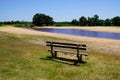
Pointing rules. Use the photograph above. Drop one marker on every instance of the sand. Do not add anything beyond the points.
(100, 45)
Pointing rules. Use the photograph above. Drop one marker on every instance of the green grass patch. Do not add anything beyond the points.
(22, 60)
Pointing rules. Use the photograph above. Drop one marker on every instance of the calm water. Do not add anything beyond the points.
(82, 33)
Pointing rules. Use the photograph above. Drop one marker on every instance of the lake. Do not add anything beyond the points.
(95, 34)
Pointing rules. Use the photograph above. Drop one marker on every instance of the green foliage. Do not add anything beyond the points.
(90, 21)
(108, 22)
(0, 23)
(48, 20)
(95, 21)
(63, 24)
(26, 25)
(116, 21)
(18, 25)
(45, 20)
(83, 21)
(42, 19)
(100, 22)
(75, 22)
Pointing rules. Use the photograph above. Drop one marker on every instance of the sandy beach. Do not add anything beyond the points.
(108, 46)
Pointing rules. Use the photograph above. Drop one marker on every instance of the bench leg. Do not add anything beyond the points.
(80, 58)
(55, 54)
(52, 54)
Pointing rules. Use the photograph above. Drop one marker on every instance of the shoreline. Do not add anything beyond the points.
(108, 46)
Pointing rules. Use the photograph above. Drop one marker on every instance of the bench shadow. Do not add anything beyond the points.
(64, 60)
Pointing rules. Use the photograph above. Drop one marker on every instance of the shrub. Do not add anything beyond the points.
(24, 25)
(18, 25)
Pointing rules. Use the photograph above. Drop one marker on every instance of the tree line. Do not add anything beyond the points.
(18, 23)
(96, 21)
(42, 19)
(45, 20)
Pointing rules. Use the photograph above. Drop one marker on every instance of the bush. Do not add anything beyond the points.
(58, 25)
(1, 23)
(24, 25)
(18, 25)
(29, 25)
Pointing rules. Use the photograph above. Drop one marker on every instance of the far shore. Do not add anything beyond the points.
(108, 46)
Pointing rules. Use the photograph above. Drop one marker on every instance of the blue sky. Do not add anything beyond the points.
(60, 10)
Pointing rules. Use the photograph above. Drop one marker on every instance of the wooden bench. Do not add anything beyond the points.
(77, 49)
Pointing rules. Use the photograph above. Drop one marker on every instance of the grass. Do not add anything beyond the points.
(22, 59)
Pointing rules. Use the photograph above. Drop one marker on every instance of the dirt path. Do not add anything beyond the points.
(107, 46)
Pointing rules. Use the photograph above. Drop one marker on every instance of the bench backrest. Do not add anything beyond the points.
(66, 45)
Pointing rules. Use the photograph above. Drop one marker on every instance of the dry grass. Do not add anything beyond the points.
(22, 59)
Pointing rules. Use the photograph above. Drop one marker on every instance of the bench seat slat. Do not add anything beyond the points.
(72, 47)
(64, 51)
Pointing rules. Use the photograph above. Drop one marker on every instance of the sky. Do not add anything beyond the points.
(59, 10)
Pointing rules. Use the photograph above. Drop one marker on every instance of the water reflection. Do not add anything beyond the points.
(82, 33)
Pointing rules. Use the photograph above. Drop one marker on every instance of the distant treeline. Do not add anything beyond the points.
(96, 21)
(45, 20)
(18, 23)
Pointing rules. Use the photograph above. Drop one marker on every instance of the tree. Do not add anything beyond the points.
(36, 20)
(90, 21)
(83, 21)
(100, 22)
(96, 19)
(107, 22)
(48, 20)
(42, 19)
(116, 21)
(75, 22)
